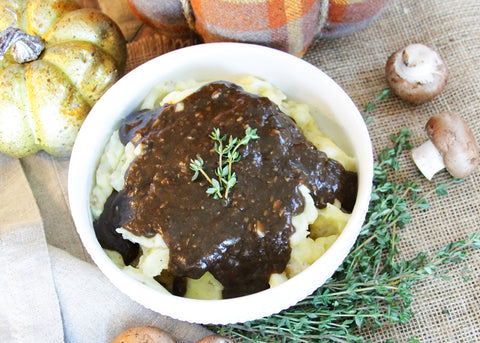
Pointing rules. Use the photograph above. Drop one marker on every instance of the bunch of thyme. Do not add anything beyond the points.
(373, 285)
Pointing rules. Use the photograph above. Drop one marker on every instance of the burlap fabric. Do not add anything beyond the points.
(35, 221)
(446, 311)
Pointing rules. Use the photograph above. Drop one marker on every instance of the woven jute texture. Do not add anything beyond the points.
(446, 311)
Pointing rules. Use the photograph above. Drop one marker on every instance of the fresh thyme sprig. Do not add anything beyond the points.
(373, 285)
(227, 150)
(369, 107)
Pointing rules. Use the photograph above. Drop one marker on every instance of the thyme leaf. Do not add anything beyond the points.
(227, 155)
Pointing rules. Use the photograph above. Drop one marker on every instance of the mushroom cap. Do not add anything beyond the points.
(215, 339)
(416, 73)
(455, 140)
(144, 334)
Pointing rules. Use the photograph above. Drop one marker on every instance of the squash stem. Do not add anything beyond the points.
(23, 46)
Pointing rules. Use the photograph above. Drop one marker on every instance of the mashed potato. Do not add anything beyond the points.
(315, 229)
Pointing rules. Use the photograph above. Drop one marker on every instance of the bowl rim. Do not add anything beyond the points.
(119, 99)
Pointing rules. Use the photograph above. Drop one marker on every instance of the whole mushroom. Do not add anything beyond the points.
(451, 145)
(144, 334)
(215, 339)
(151, 334)
(416, 73)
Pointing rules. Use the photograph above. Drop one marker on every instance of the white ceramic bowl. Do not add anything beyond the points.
(302, 82)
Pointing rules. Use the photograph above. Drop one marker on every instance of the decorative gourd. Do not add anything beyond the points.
(57, 59)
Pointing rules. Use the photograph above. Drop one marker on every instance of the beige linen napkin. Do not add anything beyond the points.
(29, 308)
(51, 293)
(93, 310)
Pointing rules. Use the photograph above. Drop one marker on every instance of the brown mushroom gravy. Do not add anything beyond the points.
(241, 240)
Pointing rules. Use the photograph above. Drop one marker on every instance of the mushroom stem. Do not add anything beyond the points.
(417, 64)
(428, 159)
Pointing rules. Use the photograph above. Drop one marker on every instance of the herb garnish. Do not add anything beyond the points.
(373, 285)
(227, 155)
(372, 104)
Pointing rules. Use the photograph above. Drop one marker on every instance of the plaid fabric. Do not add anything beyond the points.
(353, 11)
(288, 25)
(348, 16)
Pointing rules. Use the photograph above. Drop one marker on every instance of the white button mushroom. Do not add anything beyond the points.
(451, 145)
(416, 73)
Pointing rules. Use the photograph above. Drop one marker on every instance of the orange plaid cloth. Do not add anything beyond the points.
(288, 25)
(348, 16)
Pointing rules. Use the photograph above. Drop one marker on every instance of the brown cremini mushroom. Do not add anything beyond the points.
(144, 334)
(451, 145)
(416, 73)
(215, 339)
